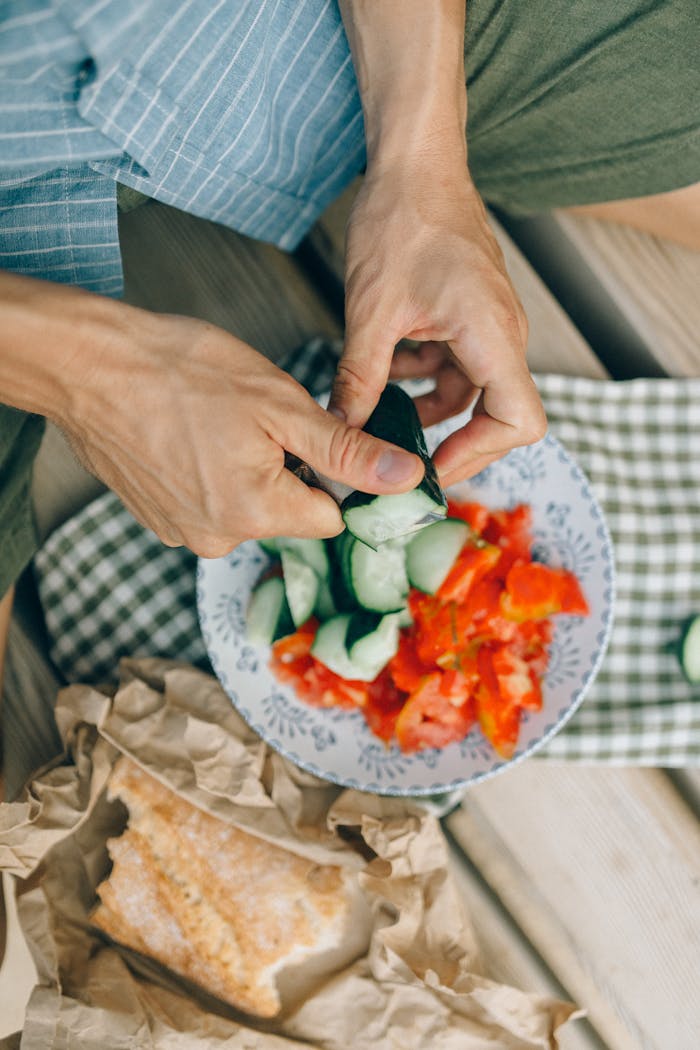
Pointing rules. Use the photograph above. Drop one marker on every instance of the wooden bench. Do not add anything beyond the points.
(581, 881)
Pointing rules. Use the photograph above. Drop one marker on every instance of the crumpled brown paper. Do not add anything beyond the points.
(418, 986)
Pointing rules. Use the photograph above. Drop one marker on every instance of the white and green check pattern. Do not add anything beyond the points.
(110, 589)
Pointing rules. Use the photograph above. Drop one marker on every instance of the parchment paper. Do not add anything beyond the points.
(419, 984)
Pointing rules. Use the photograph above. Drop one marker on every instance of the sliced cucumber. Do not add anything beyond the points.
(431, 554)
(372, 639)
(300, 585)
(325, 606)
(689, 650)
(340, 548)
(268, 616)
(376, 579)
(313, 552)
(270, 545)
(329, 649)
(376, 519)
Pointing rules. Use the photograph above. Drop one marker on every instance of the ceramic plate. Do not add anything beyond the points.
(569, 531)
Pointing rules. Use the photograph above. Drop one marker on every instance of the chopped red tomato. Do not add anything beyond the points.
(384, 703)
(534, 591)
(517, 683)
(406, 668)
(571, 596)
(499, 718)
(511, 530)
(297, 644)
(472, 564)
(476, 515)
(431, 719)
(477, 650)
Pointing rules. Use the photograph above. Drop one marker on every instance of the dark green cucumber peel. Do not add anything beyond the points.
(395, 419)
(340, 548)
(687, 649)
(361, 623)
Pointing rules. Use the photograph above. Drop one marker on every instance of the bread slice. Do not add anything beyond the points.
(251, 923)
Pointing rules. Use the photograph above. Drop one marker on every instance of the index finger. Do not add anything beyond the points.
(509, 413)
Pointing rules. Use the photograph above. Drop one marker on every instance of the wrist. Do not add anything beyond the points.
(409, 63)
(53, 344)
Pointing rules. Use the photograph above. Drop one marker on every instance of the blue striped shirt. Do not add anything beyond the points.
(244, 113)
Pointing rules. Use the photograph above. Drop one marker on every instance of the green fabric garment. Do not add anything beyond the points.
(20, 436)
(574, 103)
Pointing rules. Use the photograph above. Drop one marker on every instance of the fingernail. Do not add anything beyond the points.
(337, 412)
(395, 466)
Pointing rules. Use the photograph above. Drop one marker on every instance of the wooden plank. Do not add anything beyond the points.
(176, 263)
(653, 282)
(30, 737)
(60, 485)
(506, 954)
(632, 295)
(600, 869)
(687, 784)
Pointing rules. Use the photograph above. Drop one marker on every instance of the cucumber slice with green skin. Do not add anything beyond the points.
(689, 650)
(300, 585)
(339, 549)
(376, 579)
(268, 617)
(376, 519)
(270, 545)
(431, 554)
(325, 606)
(313, 552)
(329, 649)
(372, 639)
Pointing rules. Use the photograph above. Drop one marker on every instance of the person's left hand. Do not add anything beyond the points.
(422, 264)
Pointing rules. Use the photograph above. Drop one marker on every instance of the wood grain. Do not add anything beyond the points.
(176, 263)
(600, 868)
(506, 953)
(653, 282)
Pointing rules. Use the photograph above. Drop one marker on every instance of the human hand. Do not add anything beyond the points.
(190, 426)
(422, 264)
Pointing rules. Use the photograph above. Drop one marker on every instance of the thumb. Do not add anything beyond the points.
(346, 454)
(362, 372)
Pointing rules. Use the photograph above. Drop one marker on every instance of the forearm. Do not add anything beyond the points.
(409, 62)
(53, 339)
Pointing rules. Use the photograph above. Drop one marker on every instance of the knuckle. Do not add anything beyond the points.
(510, 319)
(349, 378)
(346, 450)
(211, 546)
(535, 429)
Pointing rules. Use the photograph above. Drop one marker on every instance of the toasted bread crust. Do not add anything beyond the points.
(216, 905)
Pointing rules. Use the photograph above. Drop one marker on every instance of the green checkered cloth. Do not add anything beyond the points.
(109, 588)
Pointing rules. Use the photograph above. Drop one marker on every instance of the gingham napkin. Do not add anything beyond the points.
(110, 589)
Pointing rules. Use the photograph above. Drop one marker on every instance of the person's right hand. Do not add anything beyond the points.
(189, 426)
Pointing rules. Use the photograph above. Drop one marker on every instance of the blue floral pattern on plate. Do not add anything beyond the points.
(569, 530)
